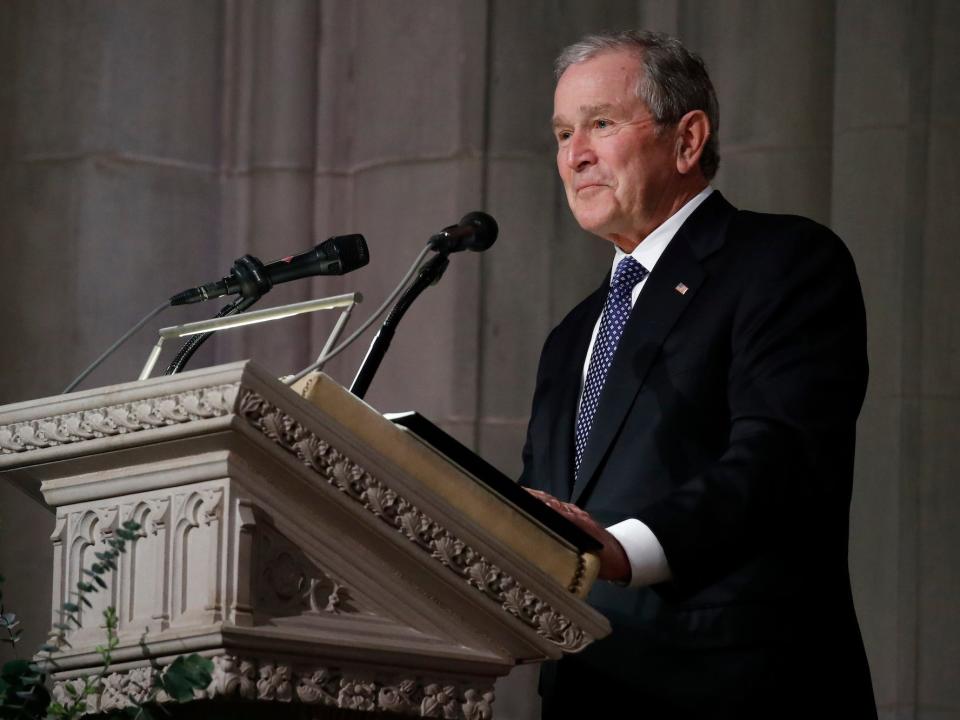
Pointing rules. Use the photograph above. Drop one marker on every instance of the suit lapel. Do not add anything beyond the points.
(671, 287)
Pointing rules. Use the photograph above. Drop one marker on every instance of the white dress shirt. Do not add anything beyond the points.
(648, 563)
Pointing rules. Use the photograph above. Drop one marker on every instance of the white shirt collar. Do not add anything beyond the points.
(648, 252)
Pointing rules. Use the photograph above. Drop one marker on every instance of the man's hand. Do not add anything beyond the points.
(614, 565)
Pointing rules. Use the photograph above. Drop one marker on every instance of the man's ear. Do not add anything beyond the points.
(693, 130)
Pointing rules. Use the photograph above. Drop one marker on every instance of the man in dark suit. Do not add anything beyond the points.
(697, 414)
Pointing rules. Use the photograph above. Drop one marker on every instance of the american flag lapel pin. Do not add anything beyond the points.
(681, 288)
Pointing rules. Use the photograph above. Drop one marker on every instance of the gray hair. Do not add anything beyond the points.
(674, 80)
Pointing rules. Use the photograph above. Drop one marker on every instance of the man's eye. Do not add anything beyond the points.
(563, 135)
(602, 124)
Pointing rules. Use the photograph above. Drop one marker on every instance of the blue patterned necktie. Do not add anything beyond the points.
(615, 313)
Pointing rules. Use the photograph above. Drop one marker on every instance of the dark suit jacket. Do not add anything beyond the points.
(726, 424)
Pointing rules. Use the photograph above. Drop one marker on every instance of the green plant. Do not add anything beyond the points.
(23, 691)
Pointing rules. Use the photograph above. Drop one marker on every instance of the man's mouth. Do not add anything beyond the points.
(588, 186)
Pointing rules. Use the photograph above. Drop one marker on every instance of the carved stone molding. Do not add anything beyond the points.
(119, 419)
(264, 679)
(375, 497)
(289, 582)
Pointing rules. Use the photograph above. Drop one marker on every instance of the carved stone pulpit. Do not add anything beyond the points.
(320, 556)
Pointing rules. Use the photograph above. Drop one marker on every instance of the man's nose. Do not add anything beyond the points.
(580, 152)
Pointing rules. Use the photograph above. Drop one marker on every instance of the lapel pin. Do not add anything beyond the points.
(681, 288)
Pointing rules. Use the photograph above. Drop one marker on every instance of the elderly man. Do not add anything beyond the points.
(697, 414)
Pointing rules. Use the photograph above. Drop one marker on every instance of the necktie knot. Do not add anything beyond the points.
(628, 273)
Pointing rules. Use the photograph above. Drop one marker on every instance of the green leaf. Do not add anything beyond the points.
(85, 587)
(86, 602)
(131, 525)
(62, 626)
(48, 648)
(15, 668)
(126, 535)
(98, 568)
(186, 674)
(100, 581)
(71, 607)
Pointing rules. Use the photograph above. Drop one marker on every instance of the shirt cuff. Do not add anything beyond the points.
(648, 563)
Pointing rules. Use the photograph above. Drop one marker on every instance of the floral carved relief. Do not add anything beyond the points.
(256, 679)
(356, 483)
(119, 419)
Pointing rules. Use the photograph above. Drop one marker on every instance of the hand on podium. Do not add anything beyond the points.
(614, 564)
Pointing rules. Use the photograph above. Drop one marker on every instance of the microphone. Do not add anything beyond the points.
(476, 231)
(336, 256)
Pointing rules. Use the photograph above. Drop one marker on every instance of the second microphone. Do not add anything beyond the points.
(336, 256)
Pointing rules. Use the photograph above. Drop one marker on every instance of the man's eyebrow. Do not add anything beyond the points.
(585, 110)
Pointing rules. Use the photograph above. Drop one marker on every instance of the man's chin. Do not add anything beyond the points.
(593, 223)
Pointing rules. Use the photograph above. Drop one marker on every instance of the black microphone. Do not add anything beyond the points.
(336, 256)
(476, 231)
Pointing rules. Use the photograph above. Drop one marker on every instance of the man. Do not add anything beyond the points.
(696, 414)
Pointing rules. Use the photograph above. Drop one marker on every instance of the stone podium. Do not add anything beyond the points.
(317, 554)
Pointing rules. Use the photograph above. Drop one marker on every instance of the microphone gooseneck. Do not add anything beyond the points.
(476, 231)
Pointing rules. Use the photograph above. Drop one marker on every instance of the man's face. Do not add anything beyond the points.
(616, 170)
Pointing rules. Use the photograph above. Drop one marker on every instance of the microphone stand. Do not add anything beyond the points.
(254, 283)
(429, 274)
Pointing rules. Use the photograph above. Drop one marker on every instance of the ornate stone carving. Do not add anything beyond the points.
(233, 677)
(477, 706)
(357, 484)
(439, 701)
(274, 683)
(157, 515)
(290, 582)
(119, 419)
(267, 680)
(209, 509)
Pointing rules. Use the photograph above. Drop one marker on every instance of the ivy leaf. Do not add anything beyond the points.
(131, 525)
(186, 674)
(15, 669)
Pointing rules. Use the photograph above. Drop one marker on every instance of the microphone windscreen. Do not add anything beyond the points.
(485, 230)
(352, 251)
